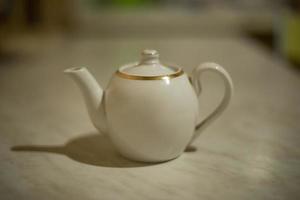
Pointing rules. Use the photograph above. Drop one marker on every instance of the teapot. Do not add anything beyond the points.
(150, 111)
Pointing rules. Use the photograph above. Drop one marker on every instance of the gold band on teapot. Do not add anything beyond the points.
(160, 77)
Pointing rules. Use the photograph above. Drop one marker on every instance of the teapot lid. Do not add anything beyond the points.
(149, 67)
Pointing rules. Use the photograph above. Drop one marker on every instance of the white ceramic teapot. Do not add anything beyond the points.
(149, 111)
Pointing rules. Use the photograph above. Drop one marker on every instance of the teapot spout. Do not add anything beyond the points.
(93, 95)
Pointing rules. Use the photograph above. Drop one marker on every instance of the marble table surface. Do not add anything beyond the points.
(50, 150)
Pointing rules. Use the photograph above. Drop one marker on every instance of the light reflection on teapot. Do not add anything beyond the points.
(150, 111)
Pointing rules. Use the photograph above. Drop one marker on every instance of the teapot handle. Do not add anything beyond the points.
(195, 79)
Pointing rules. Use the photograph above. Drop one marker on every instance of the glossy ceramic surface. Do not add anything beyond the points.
(150, 111)
(151, 120)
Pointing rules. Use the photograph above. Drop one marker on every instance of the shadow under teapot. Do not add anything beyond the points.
(93, 149)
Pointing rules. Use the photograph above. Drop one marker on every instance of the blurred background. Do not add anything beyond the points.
(251, 152)
(274, 23)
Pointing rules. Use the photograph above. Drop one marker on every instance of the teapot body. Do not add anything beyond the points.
(151, 120)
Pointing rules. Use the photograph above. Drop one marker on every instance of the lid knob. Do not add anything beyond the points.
(150, 56)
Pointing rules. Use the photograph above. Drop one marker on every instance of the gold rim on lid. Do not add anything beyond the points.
(179, 72)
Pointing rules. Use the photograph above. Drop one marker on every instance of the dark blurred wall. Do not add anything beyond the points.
(25, 15)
